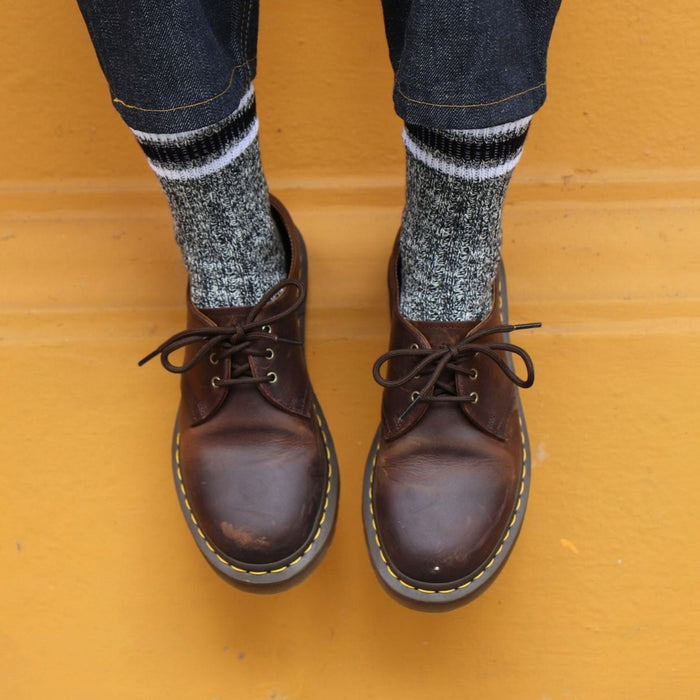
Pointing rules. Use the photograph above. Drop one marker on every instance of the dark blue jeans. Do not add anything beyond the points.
(175, 65)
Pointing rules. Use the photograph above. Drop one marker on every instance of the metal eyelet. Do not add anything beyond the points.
(273, 376)
(473, 374)
(414, 346)
(215, 382)
(269, 353)
(213, 359)
(415, 395)
(266, 329)
(474, 397)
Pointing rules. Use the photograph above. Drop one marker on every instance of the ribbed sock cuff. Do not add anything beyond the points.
(192, 154)
(469, 154)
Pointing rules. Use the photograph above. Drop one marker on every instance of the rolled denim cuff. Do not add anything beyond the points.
(468, 64)
(189, 116)
(469, 116)
(174, 65)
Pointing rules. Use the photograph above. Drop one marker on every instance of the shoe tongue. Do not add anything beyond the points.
(445, 332)
(228, 316)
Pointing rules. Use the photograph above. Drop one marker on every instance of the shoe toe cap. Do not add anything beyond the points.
(257, 504)
(440, 523)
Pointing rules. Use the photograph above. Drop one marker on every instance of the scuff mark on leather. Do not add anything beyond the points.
(242, 537)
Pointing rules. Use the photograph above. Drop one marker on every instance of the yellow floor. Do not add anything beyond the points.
(104, 594)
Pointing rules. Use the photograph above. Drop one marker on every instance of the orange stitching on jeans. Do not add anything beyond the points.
(194, 104)
(483, 104)
(245, 33)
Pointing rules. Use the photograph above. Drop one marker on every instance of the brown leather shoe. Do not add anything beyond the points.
(448, 475)
(253, 459)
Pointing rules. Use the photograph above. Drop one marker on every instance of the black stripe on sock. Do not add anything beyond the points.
(210, 144)
(481, 150)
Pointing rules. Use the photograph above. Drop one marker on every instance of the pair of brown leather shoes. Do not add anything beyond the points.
(255, 468)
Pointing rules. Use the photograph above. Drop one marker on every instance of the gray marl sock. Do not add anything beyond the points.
(220, 205)
(451, 229)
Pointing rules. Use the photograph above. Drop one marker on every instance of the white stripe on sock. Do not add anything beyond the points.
(170, 138)
(212, 166)
(464, 172)
(499, 130)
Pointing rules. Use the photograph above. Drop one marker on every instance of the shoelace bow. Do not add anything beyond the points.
(220, 342)
(447, 357)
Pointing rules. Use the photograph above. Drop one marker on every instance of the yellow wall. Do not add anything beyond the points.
(102, 592)
(623, 93)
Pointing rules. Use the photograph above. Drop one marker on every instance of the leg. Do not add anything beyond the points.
(469, 75)
(180, 75)
(253, 460)
(447, 479)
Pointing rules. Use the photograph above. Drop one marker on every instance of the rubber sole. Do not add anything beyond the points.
(456, 594)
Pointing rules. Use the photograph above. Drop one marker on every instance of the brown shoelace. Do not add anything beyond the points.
(220, 342)
(435, 361)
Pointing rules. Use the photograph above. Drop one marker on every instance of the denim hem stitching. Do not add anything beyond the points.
(121, 102)
(467, 106)
(245, 34)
